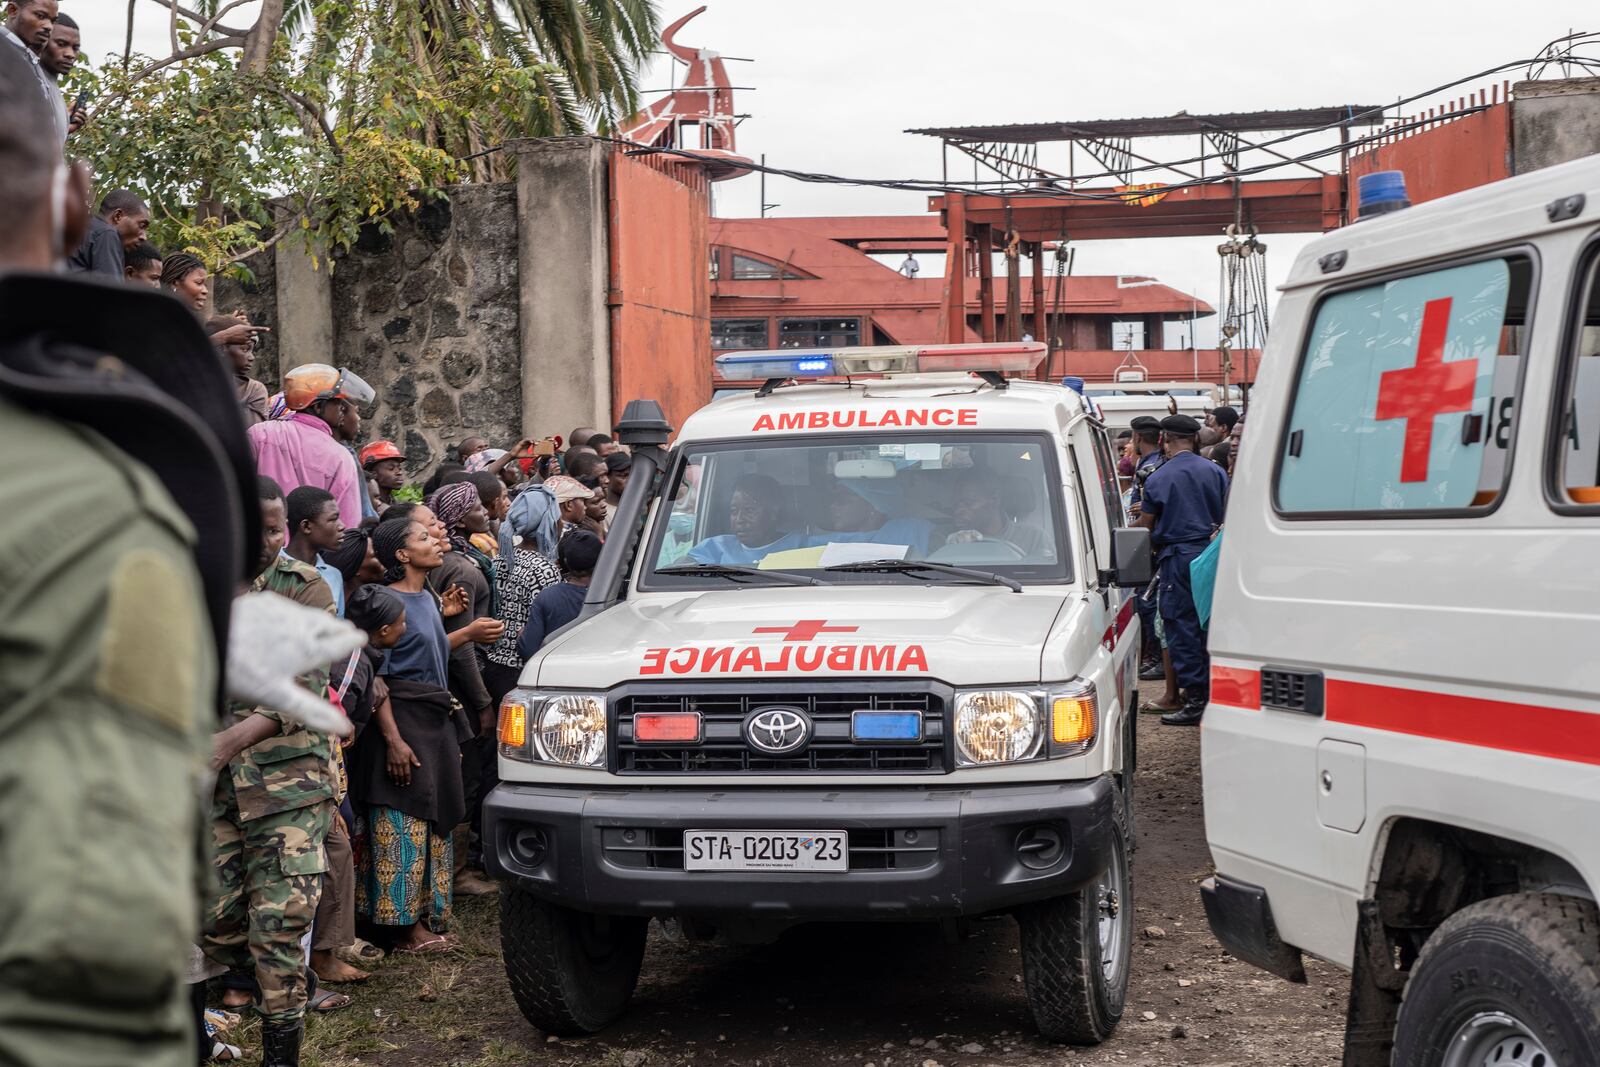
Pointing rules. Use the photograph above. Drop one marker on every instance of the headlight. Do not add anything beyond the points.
(996, 726)
(564, 728)
(1007, 725)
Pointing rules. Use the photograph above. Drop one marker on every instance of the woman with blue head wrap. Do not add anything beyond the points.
(869, 509)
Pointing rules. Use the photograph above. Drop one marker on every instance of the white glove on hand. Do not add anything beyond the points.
(271, 641)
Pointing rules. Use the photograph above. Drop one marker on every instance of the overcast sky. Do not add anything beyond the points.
(837, 81)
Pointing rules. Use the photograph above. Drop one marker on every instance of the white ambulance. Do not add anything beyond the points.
(858, 650)
(1402, 750)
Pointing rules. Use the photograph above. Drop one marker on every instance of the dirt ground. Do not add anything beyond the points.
(874, 997)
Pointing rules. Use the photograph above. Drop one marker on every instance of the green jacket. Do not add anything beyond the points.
(107, 681)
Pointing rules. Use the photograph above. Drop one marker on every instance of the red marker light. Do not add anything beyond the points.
(663, 727)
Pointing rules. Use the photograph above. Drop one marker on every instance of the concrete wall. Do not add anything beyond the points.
(561, 237)
(1555, 121)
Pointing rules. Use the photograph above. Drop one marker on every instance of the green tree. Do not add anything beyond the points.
(325, 115)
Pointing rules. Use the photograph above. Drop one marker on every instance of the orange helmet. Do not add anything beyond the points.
(378, 450)
(311, 382)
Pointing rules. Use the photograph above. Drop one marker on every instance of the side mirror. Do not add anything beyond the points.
(1132, 558)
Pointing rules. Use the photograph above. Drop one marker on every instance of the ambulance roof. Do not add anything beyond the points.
(936, 402)
(1484, 217)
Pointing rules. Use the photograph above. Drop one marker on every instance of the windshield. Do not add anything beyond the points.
(988, 502)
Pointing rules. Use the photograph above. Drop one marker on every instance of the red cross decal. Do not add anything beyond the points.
(1422, 392)
(805, 630)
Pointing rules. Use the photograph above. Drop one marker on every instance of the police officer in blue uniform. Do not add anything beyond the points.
(1182, 504)
(1147, 442)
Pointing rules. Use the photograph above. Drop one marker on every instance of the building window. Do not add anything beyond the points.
(1407, 394)
(751, 269)
(738, 333)
(818, 333)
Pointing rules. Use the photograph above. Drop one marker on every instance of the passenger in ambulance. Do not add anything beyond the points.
(755, 515)
(869, 509)
(980, 515)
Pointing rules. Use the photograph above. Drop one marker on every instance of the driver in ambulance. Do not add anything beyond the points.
(980, 517)
(755, 515)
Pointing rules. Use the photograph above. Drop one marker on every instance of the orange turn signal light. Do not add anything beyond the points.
(513, 722)
(1072, 720)
(657, 727)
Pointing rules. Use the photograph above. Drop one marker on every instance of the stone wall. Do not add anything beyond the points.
(428, 316)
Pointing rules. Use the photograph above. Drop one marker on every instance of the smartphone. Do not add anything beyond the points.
(83, 98)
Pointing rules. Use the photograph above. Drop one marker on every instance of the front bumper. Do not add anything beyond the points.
(915, 853)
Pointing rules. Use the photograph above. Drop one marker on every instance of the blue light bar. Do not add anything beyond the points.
(885, 726)
(759, 366)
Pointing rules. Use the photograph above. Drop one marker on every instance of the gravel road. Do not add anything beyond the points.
(880, 997)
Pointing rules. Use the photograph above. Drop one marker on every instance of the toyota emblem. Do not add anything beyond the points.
(777, 731)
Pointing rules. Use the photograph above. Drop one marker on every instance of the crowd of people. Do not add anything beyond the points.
(454, 589)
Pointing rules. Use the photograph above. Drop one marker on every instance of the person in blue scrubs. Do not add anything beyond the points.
(756, 516)
(866, 509)
(1182, 505)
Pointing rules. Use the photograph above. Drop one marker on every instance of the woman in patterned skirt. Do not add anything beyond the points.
(406, 766)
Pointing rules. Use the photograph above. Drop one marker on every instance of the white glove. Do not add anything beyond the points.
(271, 641)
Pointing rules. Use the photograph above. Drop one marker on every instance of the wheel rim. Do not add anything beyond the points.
(1495, 1039)
(1112, 915)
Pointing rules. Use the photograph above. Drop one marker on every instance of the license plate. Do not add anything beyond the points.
(765, 850)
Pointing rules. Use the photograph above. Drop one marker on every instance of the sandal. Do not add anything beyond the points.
(1155, 707)
(363, 950)
(324, 1001)
(438, 943)
(222, 1052)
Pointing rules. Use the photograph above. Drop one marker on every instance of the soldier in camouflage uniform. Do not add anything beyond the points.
(270, 814)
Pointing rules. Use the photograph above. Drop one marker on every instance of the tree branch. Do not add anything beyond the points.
(312, 112)
(193, 16)
(214, 45)
(211, 23)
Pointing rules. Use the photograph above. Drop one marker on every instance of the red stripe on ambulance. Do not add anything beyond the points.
(1531, 729)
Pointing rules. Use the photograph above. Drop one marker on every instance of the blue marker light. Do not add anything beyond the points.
(756, 366)
(1380, 192)
(885, 726)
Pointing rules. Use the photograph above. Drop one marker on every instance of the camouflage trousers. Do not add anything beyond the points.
(268, 882)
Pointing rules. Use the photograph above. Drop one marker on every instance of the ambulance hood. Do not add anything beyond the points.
(959, 634)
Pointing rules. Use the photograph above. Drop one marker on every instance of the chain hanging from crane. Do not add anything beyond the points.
(1242, 283)
(1064, 256)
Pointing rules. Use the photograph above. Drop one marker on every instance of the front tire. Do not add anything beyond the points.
(1513, 981)
(571, 973)
(1076, 951)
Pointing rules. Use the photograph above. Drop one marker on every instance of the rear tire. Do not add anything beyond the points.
(571, 973)
(1513, 981)
(1076, 951)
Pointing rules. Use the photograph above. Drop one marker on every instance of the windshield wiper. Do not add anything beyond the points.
(907, 566)
(734, 572)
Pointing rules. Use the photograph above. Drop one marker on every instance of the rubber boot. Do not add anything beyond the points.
(1193, 710)
(280, 1043)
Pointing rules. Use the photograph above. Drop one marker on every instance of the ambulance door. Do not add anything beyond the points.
(1102, 501)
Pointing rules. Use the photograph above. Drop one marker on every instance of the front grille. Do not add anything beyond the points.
(725, 751)
(656, 849)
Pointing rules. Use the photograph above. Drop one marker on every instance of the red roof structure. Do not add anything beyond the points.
(814, 282)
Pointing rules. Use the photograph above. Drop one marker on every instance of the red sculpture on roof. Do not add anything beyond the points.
(697, 117)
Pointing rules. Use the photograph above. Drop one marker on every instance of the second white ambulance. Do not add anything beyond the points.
(1402, 751)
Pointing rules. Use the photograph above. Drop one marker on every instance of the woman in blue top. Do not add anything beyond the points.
(407, 772)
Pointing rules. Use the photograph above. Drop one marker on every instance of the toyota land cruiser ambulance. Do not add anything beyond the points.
(1402, 750)
(859, 649)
